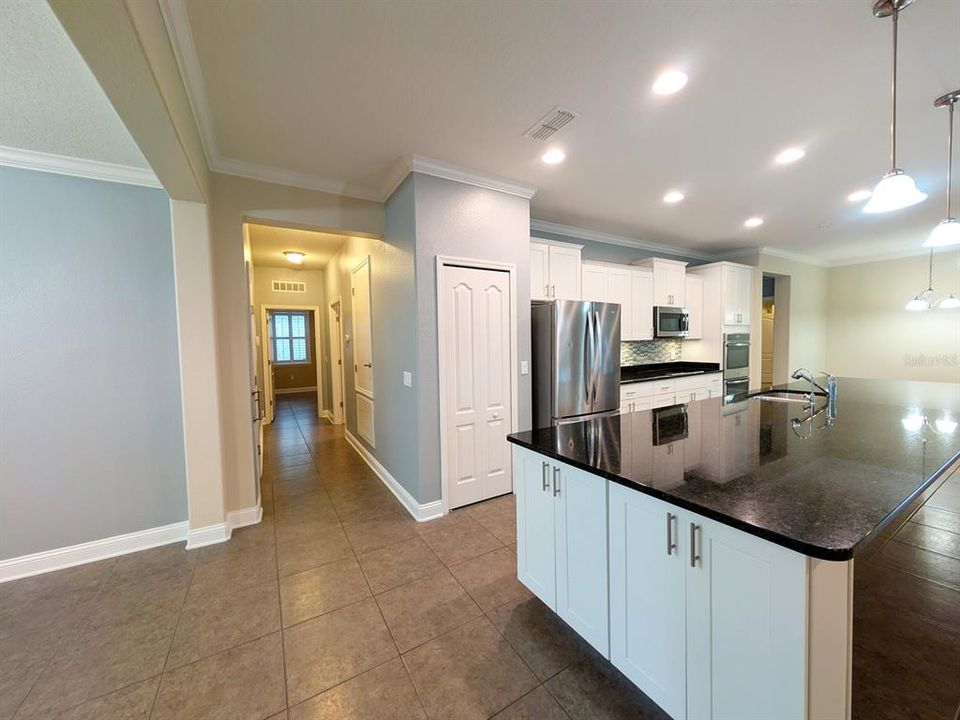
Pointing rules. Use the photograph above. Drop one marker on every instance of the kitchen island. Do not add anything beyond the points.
(707, 549)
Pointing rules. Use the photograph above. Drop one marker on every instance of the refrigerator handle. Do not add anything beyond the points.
(597, 356)
(587, 341)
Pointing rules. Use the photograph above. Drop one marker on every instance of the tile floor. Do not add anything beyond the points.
(338, 605)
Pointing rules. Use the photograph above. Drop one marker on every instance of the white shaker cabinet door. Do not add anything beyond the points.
(641, 286)
(593, 284)
(746, 619)
(539, 271)
(536, 545)
(581, 525)
(694, 305)
(647, 613)
(564, 272)
(619, 291)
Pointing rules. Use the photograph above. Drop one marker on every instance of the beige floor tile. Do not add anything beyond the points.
(463, 541)
(244, 683)
(540, 637)
(469, 673)
(326, 546)
(384, 692)
(395, 565)
(253, 566)
(378, 533)
(536, 705)
(426, 608)
(329, 649)
(491, 579)
(214, 621)
(22, 659)
(133, 702)
(320, 590)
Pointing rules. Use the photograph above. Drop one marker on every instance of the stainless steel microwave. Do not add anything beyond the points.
(670, 322)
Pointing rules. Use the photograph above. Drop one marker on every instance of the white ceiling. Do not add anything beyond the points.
(50, 100)
(267, 244)
(336, 91)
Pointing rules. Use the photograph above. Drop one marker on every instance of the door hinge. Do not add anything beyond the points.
(353, 291)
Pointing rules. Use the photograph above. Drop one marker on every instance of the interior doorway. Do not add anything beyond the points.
(336, 360)
(291, 358)
(774, 330)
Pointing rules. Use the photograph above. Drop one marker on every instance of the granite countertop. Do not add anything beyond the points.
(823, 491)
(659, 371)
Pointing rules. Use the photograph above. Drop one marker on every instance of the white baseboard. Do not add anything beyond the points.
(65, 557)
(328, 415)
(208, 535)
(246, 516)
(294, 391)
(420, 513)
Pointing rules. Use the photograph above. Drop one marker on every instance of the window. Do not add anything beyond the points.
(290, 338)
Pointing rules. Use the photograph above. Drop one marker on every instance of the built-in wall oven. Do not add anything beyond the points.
(736, 363)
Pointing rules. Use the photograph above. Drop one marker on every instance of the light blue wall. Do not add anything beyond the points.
(91, 434)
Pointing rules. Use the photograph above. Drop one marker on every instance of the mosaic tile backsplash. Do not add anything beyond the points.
(642, 352)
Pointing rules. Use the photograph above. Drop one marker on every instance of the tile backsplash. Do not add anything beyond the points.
(643, 352)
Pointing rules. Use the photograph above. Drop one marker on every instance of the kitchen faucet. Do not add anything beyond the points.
(830, 391)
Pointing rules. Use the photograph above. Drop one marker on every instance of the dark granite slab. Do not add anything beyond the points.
(659, 371)
(822, 491)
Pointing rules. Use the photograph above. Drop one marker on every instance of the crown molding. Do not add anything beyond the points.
(448, 171)
(796, 257)
(292, 178)
(896, 255)
(593, 236)
(77, 167)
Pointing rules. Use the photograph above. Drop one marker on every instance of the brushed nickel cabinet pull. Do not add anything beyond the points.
(671, 545)
(556, 481)
(694, 555)
(546, 479)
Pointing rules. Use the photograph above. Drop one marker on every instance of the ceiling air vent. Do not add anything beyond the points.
(289, 286)
(551, 123)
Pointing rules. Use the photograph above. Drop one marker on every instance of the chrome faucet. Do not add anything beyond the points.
(830, 391)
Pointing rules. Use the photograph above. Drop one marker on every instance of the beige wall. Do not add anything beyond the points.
(807, 317)
(869, 334)
(235, 200)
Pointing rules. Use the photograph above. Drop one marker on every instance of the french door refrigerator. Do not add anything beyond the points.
(576, 360)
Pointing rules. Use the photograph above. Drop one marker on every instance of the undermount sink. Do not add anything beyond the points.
(797, 396)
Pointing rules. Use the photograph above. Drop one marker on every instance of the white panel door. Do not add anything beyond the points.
(647, 613)
(564, 272)
(539, 271)
(641, 290)
(619, 291)
(362, 331)
(694, 305)
(581, 523)
(475, 335)
(676, 284)
(593, 283)
(536, 539)
(746, 620)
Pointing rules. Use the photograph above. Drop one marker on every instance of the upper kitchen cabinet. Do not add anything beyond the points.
(630, 288)
(737, 282)
(669, 281)
(554, 270)
(694, 305)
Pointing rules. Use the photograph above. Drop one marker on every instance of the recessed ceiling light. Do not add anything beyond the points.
(552, 157)
(859, 196)
(672, 197)
(294, 256)
(790, 155)
(670, 82)
(753, 222)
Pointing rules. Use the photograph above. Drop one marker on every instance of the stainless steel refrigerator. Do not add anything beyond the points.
(576, 360)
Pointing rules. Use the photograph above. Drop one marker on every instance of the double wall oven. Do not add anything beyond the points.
(736, 363)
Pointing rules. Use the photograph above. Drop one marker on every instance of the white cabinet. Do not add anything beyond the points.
(737, 282)
(561, 539)
(647, 613)
(706, 620)
(554, 271)
(535, 525)
(694, 305)
(641, 290)
(626, 287)
(669, 281)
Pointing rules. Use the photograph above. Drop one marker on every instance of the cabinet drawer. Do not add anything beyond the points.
(663, 400)
(691, 383)
(636, 390)
(659, 387)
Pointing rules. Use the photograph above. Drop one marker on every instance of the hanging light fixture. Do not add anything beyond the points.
(947, 232)
(923, 301)
(896, 189)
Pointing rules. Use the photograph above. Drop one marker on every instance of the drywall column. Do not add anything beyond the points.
(196, 330)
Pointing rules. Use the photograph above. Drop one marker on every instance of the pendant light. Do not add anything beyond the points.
(896, 189)
(947, 232)
(923, 301)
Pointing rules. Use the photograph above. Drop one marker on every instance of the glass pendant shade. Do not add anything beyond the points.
(945, 234)
(950, 302)
(918, 304)
(896, 190)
